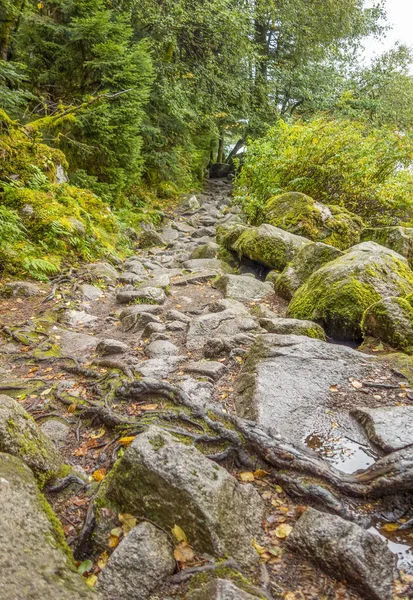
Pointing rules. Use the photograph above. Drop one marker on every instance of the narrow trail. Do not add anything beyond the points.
(109, 349)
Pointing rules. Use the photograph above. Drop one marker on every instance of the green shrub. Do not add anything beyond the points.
(341, 162)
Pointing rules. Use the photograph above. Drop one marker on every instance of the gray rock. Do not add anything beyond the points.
(176, 315)
(208, 250)
(154, 327)
(91, 292)
(161, 348)
(308, 260)
(33, 563)
(285, 384)
(220, 589)
(199, 277)
(140, 563)
(268, 245)
(399, 239)
(203, 232)
(79, 345)
(176, 326)
(130, 278)
(337, 295)
(293, 326)
(20, 289)
(347, 551)
(206, 264)
(77, 226)
(182, 227)
(57, 430)
(133, 265)
(150, 295)
(170, 483)
(108, 346)
(21, 437)
(150, 238)
(391, 321)
(390, 427)
(102, 270)
(77, 317)
(132, 322)
(159, 367)
(243, 287)
(225, 323)
(207, 368)
(169, 235)
(161, 281)
(199, 392)
(190, 204)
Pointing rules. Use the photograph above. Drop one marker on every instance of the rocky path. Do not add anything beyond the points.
(181, 425)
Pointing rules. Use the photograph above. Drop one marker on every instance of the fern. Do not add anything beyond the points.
(39, 267)
(39, 180)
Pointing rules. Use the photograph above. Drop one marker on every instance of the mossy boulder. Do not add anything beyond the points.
(309, 259)
(293, 327)
(337, 295)
(221, 589)
(35, 561)
(300, 214)
(268, 245)
(391, 321)
(208, 250)
(170, 483)
(228, 233)
(399, 239)
(20, 436)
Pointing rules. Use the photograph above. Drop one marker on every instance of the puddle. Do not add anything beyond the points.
(345, 454)
(400, 543)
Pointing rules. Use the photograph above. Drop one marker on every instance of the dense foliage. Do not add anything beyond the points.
(135, 98)
(368, 170)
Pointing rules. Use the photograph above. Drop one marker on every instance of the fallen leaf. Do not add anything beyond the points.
(113, 541)
(183, 553)
(72, 408)
(85, 566)
(283, 530)
(149, 406)
(125, 441)
(98, 433)
(333, 388)
(390, 527)
(356, 384)
(103, 559)
(274, 551)
(99, 474)
(260, 473)
(247, 476)
(128, 522)
(260, 549)
(82, 450)
(278, 489)
(290, 596)
(178, 534)
(91, 580)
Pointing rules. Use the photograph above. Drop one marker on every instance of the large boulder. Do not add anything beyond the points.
(337, 295)
(268, 245)
(347, 551)
(163, 480)
(292, 327)
(285, 384)
(20, 436)
(34, 559)
(308, 260)
(390, 427)
(140, 563)
(302, 215)
(399, 239)
(391, 321)
(220, 589)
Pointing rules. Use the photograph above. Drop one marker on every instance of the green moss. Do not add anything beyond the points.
(57, 539)
(157, 442)
(265, 249)
(225, 573)
(299, 214)
(391, 321)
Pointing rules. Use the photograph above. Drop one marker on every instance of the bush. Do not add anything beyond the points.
(367, 170)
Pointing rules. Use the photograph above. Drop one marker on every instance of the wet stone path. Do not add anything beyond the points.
(187, 313)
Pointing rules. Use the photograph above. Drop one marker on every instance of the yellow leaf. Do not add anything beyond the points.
(283, 530)
(98, 434)
(91, 580)
(179, 534)
(102, 560)
(128, 522)
(356, 384)
(260, 549)
(72, 408)
(290, 596)
(125, 441)
(260, 473)
(99, 474)
(247, 476)
(183, 553)
(333, 388)
(113, 541)
(149, 407)
(390, 527)
(278, 489)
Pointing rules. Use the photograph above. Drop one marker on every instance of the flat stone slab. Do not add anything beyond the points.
(243, 288)
(150, 294)
(159, 367)
(293, 326)
(91, 292)
(347, 551)
(207, 368)
(109, 346)
(160, 348)
(285, 384)
(220, 589)
(79, 345)
(390, 428)
(73, 318)
(225, 323)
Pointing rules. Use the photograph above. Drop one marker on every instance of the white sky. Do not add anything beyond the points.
(400, 16)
